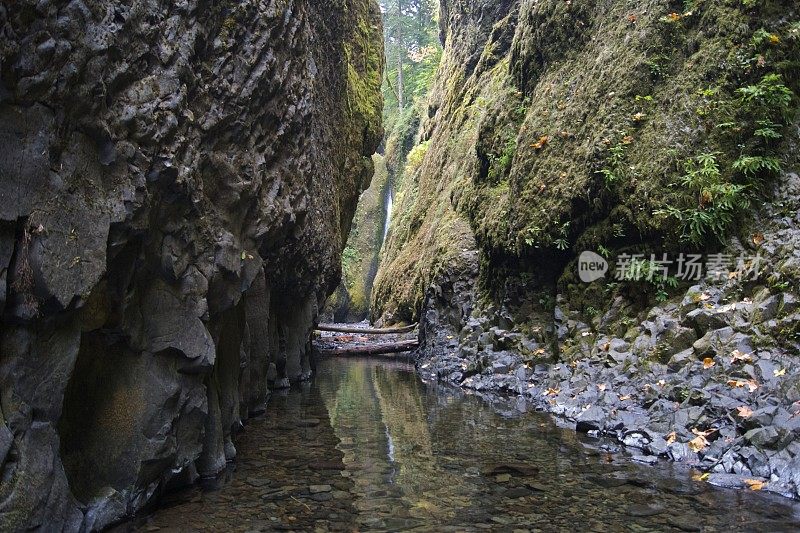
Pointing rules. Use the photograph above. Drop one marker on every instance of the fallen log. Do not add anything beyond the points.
(371, 349)
(369, 331)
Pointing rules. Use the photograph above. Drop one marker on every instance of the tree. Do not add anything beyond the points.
(412, 49)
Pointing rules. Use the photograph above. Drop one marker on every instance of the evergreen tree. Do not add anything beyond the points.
(412, 50)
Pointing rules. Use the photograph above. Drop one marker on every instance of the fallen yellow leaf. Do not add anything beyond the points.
(601, 387)
(697, 476)
(705, 433)
(758, 238)
(744, 411)
(708, 362)
(755, 484)
(737, 356)
(751, 384)
(672, 437)
(551, 392)
(698, 444)
(623, 398)
(779, 373)
(543, 140)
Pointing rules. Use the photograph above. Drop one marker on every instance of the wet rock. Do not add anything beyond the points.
(516, 470)
(517, 492)
(591, 419)
(681, 359)
(766, 307)
(683, 523)
(325, 465)
(762, 437)
(644, 510)
(730, 481)
(316, 489)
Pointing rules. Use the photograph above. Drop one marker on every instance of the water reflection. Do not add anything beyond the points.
(369, 447)
(432, 456)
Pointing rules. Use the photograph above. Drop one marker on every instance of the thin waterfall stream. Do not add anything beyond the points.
(389, 205)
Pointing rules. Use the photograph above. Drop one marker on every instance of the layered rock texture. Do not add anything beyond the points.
(351, 301)
(177, 182)
(661, 127)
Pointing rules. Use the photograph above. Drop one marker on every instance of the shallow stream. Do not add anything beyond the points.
(369, 446)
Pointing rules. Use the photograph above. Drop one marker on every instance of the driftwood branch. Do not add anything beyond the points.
(367, 331)
(373, 349)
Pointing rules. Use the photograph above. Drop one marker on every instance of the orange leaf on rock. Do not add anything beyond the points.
(758, 239)
(751, 384)
(543, 140)
(671, 437)
(708, 362)
(755, 484)
(698, 444)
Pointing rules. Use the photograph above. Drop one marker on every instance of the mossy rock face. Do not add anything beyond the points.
(561, 127)
(350, 302)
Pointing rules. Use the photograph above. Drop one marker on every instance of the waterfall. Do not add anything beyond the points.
(389, 202)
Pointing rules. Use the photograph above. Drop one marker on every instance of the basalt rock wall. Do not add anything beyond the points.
(177, 182)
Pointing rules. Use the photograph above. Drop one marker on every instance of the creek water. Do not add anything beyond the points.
(368, 446)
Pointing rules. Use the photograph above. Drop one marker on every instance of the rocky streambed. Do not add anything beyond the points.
(719, 400)
(368, 445)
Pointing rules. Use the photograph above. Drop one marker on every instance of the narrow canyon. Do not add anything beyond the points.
(577, 222)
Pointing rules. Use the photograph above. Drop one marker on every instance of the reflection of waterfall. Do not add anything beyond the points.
(389, 202)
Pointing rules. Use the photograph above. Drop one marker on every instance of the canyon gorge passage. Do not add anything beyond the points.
(189, 189)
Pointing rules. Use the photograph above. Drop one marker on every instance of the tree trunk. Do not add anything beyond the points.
(401, 50)
(374, 349)
(368, 331)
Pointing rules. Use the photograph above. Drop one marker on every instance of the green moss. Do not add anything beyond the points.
(573, 138)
